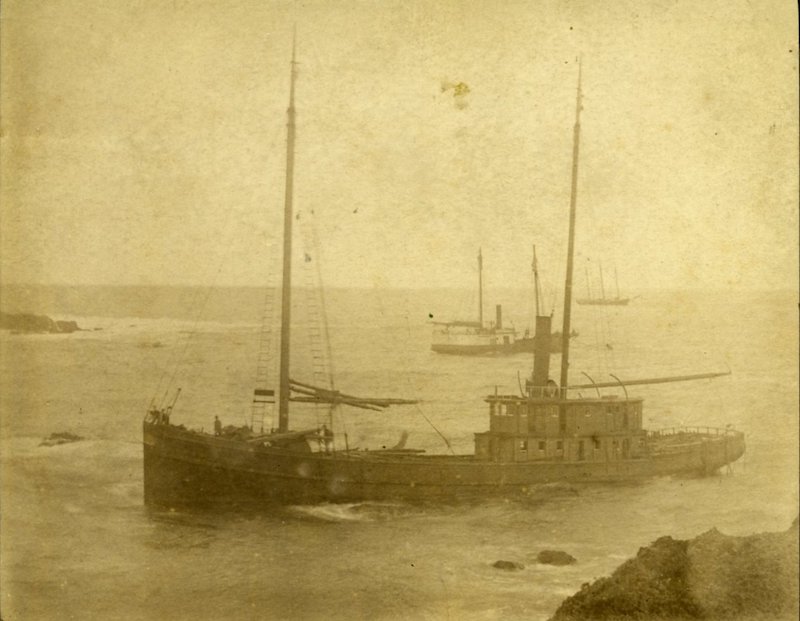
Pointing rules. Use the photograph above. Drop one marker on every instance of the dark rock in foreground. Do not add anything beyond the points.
(713, 576)
(508, 565)
(24, 322)
(60, 437)
(555, 557)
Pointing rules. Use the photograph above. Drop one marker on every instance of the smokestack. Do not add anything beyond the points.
(499, 311)
(541, 355)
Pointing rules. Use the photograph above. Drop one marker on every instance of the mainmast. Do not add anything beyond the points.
(480, 287)
(571, 245)
(286, 290)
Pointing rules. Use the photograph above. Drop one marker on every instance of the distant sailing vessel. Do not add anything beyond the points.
(475, 338)
(541, 435)
(602, 300)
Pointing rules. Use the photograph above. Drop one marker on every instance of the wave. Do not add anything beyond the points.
(350, 512)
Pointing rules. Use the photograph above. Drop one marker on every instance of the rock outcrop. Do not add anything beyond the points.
(60, 437)
(555, 557)
(713, 576)
(24, 322)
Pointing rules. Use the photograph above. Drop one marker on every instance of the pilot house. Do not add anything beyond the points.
(526, 429)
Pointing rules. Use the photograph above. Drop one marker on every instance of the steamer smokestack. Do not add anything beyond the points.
(541, 355)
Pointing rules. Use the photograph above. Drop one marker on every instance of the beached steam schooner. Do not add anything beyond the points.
(542, 435)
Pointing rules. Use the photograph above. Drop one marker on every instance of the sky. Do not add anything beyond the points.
(144, 141)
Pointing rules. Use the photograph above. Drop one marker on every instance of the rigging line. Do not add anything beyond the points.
(441, 435)
(267, 363)
(597, 349)
(416, 405)
(324, 312)
(171, 360)
(174, 358)
(191, 334)
(202, 309)
(314, 278)
(604, 337)
(321, 293)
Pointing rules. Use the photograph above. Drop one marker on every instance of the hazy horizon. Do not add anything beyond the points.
(578, 289)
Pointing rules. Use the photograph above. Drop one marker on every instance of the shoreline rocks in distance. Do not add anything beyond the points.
(713, 576)
(27, 323)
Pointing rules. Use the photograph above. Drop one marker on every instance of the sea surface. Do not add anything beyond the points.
(78, 543)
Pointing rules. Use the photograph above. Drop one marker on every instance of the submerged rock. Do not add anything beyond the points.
(508, 565)
(555, 557)
(60, 437)
(713, 576)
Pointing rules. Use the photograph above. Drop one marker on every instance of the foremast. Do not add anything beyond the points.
(286, 284)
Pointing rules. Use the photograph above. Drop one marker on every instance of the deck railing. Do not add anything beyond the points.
(709, 431)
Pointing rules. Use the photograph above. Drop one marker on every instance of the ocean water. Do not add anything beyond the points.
(77, 542)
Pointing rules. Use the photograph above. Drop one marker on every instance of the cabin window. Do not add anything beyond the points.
(625, 419)
(511, 408)
(523, 445)
(596, 442)
(542, 445)
(560, 445)
(505, 340)
(580, 450)
(562, 421)
(491, 408)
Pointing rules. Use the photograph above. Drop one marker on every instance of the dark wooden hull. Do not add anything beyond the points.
(187, 468)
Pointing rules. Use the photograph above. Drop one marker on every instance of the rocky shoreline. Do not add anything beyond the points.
(713, 576)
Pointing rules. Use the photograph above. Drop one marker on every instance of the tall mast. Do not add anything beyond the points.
(602, 286)
(571, 246)
(286, 290)
(480, 287)
(536, 280)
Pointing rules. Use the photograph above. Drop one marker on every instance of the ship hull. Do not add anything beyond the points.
(186, 468)
(521, 345)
